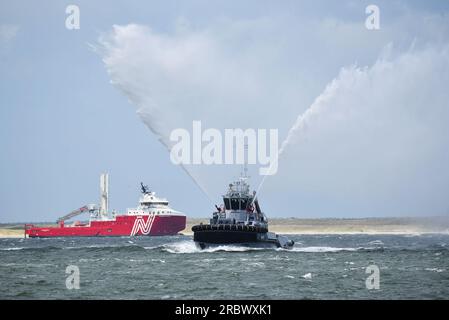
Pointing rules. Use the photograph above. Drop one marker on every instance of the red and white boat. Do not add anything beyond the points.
(153, 217)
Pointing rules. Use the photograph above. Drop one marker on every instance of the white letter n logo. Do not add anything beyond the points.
(142, 226)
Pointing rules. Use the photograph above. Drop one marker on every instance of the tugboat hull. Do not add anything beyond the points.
(225, 237)
(205, 235)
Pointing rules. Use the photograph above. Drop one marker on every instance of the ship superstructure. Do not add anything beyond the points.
(152, 217)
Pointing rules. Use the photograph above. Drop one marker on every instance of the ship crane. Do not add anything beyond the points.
(90, 207)
(93, 208)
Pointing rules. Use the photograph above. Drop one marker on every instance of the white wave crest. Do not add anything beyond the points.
(376, 242)
(435, 269)
(322, 249)
(191, 247)
(12, 249)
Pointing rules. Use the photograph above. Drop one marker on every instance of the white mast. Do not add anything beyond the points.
(245, 164)
(104, 194)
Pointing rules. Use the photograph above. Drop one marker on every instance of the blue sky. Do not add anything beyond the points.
(62, 123)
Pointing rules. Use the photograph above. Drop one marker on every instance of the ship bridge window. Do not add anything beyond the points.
(235, 204)
(243, 204)
(227, 203)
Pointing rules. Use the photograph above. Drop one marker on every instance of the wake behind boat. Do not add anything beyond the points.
(238, 221)
(153, 217)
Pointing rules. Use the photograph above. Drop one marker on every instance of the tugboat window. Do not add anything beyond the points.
(227, 204)
(243, 204)
(234, 204)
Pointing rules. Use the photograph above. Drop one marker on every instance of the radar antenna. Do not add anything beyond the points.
(144, 188)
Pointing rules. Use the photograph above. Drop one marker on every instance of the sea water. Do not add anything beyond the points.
(318, 267)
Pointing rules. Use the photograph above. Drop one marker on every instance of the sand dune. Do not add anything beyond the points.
(350, 226)
(317, 226)
(11, 233)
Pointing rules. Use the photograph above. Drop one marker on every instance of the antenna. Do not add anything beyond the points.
(245, 164)
(143, 188)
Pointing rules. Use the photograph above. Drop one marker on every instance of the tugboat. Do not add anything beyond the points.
(238, 221)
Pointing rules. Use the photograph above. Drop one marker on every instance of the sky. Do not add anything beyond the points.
(362, 115)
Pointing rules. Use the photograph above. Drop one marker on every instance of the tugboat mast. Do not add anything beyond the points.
(245, 164)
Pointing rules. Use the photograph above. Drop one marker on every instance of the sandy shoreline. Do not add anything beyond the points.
(373, 226)
(18, 235)
(7, 233)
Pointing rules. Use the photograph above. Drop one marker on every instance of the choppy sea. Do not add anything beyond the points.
(318, 267)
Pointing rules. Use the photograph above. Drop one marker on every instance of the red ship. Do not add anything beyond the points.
(153, 217)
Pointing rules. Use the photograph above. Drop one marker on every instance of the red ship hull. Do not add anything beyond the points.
(123, 225)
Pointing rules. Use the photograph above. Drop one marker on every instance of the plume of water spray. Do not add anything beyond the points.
(155, 127)
(162, 75)
(152, 114)
(317, 107)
